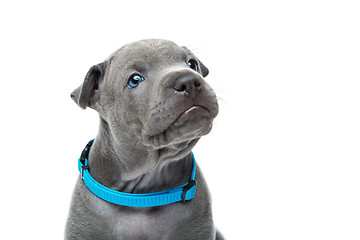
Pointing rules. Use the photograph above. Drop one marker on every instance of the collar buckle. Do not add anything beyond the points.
(186, 189)
(85, 153)
(83, 158)
(82, 170)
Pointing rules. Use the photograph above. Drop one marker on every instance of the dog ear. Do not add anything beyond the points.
(204, 69)
(89, 92)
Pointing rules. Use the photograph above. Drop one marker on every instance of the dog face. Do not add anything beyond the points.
(151, 92)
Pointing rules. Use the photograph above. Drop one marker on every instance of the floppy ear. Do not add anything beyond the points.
(204, 69)
(89, 92)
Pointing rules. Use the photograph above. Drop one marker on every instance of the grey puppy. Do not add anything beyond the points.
(154, 106)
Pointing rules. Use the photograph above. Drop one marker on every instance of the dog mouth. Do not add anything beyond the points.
(191, 113)
(190, 124)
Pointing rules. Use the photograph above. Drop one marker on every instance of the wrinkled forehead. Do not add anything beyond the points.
(150, 54)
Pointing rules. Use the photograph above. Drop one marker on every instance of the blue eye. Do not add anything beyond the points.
(134, 81)
(193, 65)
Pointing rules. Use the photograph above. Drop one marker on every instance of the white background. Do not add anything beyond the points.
(282, 161)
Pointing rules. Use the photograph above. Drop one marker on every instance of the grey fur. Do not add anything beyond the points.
(144, 144)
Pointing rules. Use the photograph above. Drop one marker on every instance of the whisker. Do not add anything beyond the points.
(223, 100)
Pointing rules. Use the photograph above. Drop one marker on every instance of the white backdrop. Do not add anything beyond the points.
(282, 161)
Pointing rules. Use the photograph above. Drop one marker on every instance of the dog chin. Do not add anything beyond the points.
(178, 134)
(178, 151)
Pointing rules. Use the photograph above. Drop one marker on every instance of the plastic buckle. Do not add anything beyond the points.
(83, 158)
(85, 152)
(186, 189)
(82, 170)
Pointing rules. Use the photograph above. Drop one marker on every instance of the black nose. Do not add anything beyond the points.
(188, 86)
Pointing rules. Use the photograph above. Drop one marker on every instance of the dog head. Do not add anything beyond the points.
(151, 92)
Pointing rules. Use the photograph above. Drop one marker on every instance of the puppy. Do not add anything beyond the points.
(154, 105)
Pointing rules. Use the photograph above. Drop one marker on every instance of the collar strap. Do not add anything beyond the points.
(183, 193)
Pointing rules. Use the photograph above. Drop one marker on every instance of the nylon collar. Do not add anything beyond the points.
(183, 193)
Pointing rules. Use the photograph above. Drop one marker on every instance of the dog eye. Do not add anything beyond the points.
(193, 65)
(135, 80)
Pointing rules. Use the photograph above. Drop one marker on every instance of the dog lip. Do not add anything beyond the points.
(187, 114)
(193, 108)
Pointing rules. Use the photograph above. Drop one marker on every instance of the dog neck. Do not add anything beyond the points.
(132, 167)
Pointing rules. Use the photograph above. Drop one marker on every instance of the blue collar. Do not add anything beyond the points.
(180, 194)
